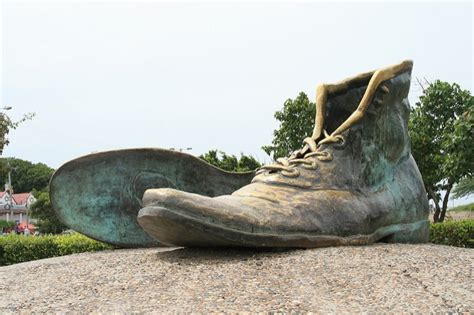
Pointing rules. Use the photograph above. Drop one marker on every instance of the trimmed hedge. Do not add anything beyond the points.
(20, 248)
(454, 233)
(78, 243)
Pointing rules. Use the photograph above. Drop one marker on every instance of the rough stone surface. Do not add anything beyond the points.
(380, 278)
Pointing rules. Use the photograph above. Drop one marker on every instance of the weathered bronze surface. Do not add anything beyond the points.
(354, 181)
(100, 194)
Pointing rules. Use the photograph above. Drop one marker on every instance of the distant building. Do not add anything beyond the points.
(14, 207)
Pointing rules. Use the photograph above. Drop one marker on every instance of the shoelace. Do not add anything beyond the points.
(306, 157)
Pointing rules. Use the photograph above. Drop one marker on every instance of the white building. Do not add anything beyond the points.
(14, 207)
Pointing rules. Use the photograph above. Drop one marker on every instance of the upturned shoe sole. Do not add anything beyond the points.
(100, 194)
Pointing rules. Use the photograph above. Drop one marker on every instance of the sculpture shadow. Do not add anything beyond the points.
(219, 255)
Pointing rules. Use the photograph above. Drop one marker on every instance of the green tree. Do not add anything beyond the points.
(296, 123)
(26, 176)
(42, 210)
(230, 162)
(464, 188)
(441, 130)
(6, 224)
(6, 125)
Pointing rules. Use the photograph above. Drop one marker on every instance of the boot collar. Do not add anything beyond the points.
(320, 138)
(372, 80)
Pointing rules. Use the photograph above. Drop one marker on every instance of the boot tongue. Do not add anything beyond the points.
(340, 105)
(335, 111)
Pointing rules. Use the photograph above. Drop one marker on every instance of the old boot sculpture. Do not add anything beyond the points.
(354, 181)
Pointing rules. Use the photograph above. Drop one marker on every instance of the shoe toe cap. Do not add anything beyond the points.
(187, 203)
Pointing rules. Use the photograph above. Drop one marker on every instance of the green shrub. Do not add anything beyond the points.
(78, 243)
(454, 233)
(19, 248)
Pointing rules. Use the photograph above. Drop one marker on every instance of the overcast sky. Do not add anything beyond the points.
(207, 76)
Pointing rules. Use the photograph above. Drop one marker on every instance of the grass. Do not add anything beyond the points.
(468, 207)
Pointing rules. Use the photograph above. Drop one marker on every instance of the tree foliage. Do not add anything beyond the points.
(296, 123)
(26, 176)
(230, 162)
(6, 125)
(441, 129)
(47, 218)
(7, 224)
(464, 188)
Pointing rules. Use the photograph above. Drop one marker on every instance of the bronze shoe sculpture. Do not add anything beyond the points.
(100, 194)
(354, 182)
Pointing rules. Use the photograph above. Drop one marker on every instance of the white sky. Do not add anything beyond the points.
(210, 75)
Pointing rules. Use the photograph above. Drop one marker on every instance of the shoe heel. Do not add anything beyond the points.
(413, 233)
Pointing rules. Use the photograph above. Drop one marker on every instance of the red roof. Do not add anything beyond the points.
(20, 199)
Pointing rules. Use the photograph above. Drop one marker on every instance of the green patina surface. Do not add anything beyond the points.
(353, 182)
(100, 194)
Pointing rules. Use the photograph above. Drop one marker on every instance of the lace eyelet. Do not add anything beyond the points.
(326, 157)
(312, 166)
(291, 172)
(340, 144)
(260, 171)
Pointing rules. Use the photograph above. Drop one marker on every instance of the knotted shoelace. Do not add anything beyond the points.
(306, 157)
